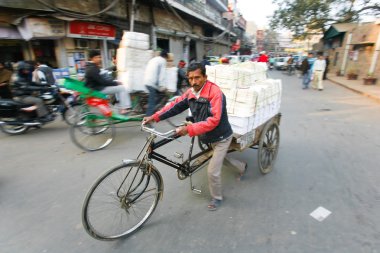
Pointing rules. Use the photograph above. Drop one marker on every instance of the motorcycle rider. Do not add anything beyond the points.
(43, 74)
(24, 90)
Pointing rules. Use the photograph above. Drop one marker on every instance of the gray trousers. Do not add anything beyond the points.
(38, 102)
(214, 169)
(121, 93)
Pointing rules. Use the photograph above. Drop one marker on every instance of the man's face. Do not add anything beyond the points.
(97, 60)
(196, 79)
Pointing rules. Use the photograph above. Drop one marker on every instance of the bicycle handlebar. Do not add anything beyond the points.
(157, 133)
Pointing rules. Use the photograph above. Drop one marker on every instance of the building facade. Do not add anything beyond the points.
(353, 48)
(62, 32)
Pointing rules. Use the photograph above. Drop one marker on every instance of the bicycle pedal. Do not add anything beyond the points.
(196, 191)
(178, 155)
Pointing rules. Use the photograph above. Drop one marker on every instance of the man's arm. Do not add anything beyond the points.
(170, 110)
(211, 122)
(162, 73)
(96, 80)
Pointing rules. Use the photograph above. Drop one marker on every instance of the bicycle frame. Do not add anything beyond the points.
(185, 168)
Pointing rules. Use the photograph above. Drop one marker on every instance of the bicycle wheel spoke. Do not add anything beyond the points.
(92, 132)
(111, 211)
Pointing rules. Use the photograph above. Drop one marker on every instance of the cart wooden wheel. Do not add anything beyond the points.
(268, 146)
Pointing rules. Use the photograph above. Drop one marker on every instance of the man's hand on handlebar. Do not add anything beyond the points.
(147, 120)
(182, 130)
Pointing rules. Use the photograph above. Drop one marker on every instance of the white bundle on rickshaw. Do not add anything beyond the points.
(132, 58)
(252, 99)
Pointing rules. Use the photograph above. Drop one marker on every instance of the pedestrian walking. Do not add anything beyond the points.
(327, 67)
(263, 57)
(154, 79)
(319, 67)
(305, 70)
(181, 77)
(207, 104)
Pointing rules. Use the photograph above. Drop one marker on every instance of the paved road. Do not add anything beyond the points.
(329, 157)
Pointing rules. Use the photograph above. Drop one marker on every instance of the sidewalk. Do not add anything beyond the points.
(371, 91)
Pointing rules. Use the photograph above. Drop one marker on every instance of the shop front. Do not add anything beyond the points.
(42, 35)
(11, 44)
(83, 36)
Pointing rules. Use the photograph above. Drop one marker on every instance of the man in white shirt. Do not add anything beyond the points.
(319, 68)
(154, 79)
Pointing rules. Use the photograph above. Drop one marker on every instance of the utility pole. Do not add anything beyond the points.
(132, 20)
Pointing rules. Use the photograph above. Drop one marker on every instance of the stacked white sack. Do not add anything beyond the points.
(135, 40)
(171, 77)
(248, 115)
(251, 98)
(132, 58)
(242, 75)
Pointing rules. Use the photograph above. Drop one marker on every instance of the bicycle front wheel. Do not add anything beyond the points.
(71, 114)
(92, 131)
(121, 201)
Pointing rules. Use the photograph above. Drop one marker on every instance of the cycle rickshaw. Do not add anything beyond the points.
(122, 199)
(95, 121)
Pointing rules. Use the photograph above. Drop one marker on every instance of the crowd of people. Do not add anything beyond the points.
(314, 71)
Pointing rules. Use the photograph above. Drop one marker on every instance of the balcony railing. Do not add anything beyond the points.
(205, 10)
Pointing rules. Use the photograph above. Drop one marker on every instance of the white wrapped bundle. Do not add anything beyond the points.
(135, 36)
(171, 79)
(252, 99)
(241, 125)
(247, 96)
(132, 58)
(229, 93)
(240, 109)
(132, 79)
(137, 44)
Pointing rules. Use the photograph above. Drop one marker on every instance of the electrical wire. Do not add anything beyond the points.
(78, 16)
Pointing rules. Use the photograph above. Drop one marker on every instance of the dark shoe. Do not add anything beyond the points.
(214, 204)
(320, 89)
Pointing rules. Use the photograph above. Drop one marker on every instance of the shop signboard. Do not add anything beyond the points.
(42, 28)
(91, 30)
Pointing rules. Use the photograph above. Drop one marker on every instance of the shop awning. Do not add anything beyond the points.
(9, 33)
(364, 43)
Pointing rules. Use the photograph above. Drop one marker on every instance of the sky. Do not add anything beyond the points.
(256, 10)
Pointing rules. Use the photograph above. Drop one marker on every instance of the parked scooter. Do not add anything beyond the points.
(17, 117)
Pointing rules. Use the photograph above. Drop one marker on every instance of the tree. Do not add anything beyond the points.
(303, 16)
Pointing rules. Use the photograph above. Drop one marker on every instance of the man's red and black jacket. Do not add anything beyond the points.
(209, 112)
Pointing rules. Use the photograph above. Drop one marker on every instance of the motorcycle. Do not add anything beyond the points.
(17, 117)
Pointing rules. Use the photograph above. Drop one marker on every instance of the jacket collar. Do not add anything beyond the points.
(205, 91)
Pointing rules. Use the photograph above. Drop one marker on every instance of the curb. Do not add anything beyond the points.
(377, 99)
